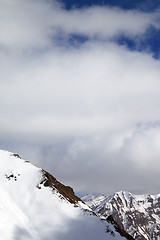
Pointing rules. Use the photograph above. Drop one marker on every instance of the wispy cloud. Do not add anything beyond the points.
(36, 23)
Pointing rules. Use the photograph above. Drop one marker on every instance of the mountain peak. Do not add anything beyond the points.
(35, 205)
(138, 215)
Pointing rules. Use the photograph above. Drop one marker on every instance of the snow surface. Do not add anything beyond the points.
(28, 212)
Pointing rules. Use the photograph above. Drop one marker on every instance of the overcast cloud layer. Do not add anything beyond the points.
(87, 112)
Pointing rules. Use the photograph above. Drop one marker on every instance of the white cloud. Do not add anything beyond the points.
(73, 106)
(142, 147)
(81, 92)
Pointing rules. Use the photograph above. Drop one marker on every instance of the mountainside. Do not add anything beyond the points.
(139, 215)
(34, 205)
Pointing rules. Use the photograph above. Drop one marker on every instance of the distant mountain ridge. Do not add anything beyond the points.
(138, 215)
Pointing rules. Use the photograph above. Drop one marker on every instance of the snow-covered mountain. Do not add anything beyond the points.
(34, 205)
(139, 215)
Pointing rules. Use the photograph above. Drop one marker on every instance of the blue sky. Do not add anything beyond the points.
(133, 4)
(151, 40)
(80, 91)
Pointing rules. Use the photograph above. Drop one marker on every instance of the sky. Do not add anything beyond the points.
(80, 91)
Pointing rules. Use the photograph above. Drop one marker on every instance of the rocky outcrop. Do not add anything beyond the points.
(65, 191)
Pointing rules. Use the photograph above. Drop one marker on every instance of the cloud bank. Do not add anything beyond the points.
(88, 112)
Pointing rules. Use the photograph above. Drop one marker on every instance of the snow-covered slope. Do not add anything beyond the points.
(139, 215)
(34, 205)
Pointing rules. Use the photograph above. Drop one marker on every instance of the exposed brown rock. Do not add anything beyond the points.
(66, 191)
(16, 155)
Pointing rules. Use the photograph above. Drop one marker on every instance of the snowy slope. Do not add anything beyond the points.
(139, 215)
(34, 205)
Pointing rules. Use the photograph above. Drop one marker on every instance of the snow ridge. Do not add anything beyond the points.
(34, 205)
